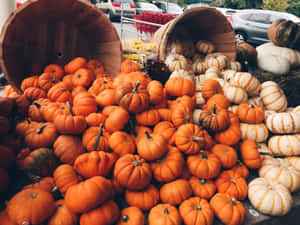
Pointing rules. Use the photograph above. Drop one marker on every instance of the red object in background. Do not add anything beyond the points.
(158, 18)
(116, 4)
(229, 18)
(132, 6)
(18, 4)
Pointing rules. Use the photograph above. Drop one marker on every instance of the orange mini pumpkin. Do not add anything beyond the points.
(59, 93)
(54, 69)
(34, 93)
(47, 81)
(122, 143)
(128, 66)
(75, 65)
(181, 115)
(82, 77)
(226, 154)
(179, 87)
(95, 66)
(131, 216)
(63, 215)
(167, 130)
(41, 136)
(95, 139)
(100, 84)
(106, 98)
(250, 154)
(95, 119)
(203, 188)
(156, 92)
(250, 113)
(211, 87)
(84, 104)
(163, 214)
(32, 81)
(219, 100)
(117, 120)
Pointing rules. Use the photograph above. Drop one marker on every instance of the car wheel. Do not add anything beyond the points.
(110, 16)
(240, 36)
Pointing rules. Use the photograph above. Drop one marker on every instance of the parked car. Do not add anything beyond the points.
(195, 5)
(252, 25)
(142, 7)
(20, 2)
(169, 7)
(227, 12)
(114, 8)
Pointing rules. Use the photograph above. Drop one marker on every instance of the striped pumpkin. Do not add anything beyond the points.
(282, 171)
(199, 80)
(198, 67)
(256, 101)
(235, 94)
(285, 33)
(297, 109)
(216, 60)
(246, 81)
(196, 116)
(212, 72)
(273, 97)
(284, 123)
(205, 47)
(236, 66)
(233, 108)
(177, 62)
(222, 82)
(294, 160)
(182, 74)
(256, 132)
(200, 101)
(269, 196)
(285, 144)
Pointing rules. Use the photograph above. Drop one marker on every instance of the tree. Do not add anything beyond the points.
(294, 7)
(243, 4)
(275, 5)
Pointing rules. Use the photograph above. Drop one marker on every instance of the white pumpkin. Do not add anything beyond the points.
(273, 97)
(216, 60)
(294, 160)
(228, 74)
(256, 101)
(177, 62)
(297, 109)
(284, 123)
(236, 66)
(212, 72)
(183, 74)
(196, 116)
(233, 108)
(200, 101)
(199, 80)
(269, 196)
(244, 80)
(205, 47)
(255, 132)
(289, 109)
(269, 113)
(198, 67)
(285, 144)
(282, 171)
(198, 57)
(273, 63)
(235, 94)
(222, 82)
(263, 148)
(291, 55)
(184, 47)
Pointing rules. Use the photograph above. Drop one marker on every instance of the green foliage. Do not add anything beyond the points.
(294, 7)
(275, 5)
(242, 4)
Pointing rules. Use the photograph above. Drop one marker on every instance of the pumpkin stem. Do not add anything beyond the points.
(195, 138)
(26, 223)
(232, 201)
(187, 117)
(214, 109)
(54, 189)
(233, 181)
(166, 211)
(53, 80)
(40, 129)
(104, 82)
(28, 121)
(202, 181)
(135, 89)
(37, 105)
(251, 106)
(69, 108)
(148, 135)
(137, 163)
(239, 163)
(32, 195)
(98, 137)
(198, 207)
(125, 218)
(273, 155)
(203, 155)
(225, 149)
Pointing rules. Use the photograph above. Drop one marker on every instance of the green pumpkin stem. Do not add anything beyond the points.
(26, 223)
(40, 129)
(28, 121)
(166, 211)
(149, 138)
(273, 155)
(233, 181)
(69, 108)
(203, 155)
(32, 195)
(37, 105)
(232, 201)
(98, 137)
(195, 138)
(202, 181)
(135, 89)
(137, 162)
(214, 109)
(125, 218)
(251, 106)
(198, 207)
(54, 189)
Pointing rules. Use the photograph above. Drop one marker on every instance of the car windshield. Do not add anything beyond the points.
(172, 7)
(123, 1)
(147, 6)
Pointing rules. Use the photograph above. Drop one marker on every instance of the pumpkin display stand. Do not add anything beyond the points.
(40, 32)
(289, 83)
(201, 23)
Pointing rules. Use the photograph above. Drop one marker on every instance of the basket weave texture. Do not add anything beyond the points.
(48, 31)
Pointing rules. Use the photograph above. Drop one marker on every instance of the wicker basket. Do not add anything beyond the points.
(201, 23)
(47, 31)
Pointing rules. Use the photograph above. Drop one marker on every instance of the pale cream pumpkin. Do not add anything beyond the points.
(297, 109)
(273, 63)
(294, 160)
(269, 113)
(246, 81)
(236, 66)
(285, 144)
(284, 123)
(199, 80)
(212, 72)
(255, 132)
(205, 47)
(183, 47)
(256, 101)
(196, 116)
(198, 67)
(177, 62)
(184, 74)
(233, 108)
(216, 60)
(228, 74)
(273, 97)
(263, 148)
(200, 101)
(269, 196)
(282, 171)
(235, 94)
(198, 57)
(222, 82)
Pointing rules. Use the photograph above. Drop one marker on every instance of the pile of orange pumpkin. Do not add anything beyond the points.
(94, 138)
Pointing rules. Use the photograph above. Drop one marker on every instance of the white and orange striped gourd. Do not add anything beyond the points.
(216, 60)
(284, 123)
(236, 66)
(269, 196)
(184, 74)
(196, 116)
(200, 101)
(273, 97)
(297, 109)
(212, 72)
(222, 82)
(244, 80)
(282, 171)
(235, 94)
(177, 62)
(199, 80)
(256, 132)
(285, 144)
(294, 160)
(198, 67)
(233, 108)
(205, 47)
(256, 101)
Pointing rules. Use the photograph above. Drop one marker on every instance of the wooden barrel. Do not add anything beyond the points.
(47, 31)
(202, 23)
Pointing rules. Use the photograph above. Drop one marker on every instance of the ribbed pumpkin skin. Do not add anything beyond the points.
(285, 33)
